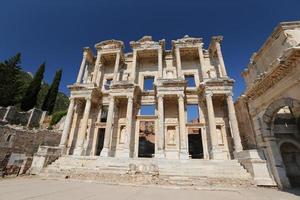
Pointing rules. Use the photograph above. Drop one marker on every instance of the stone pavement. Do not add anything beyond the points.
(36, 188)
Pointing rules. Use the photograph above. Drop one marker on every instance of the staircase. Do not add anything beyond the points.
(145, 171)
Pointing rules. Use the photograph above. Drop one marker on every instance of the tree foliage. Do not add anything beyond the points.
(9, 82)
(14, 84)
(30, 98)
(49, 101)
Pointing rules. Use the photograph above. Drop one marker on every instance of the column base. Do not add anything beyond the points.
(218, 154)
(104, 152)
(64, 149)
(78, 151)
(184, 155)
(122, 153)
(160, 154)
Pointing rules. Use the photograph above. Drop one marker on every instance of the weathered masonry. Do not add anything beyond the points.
(152, 102)
(269, 110)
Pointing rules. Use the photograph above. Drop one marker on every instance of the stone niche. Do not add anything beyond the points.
(172, 138)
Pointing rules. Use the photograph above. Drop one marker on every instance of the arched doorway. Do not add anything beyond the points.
(280, 124)
(291, 158)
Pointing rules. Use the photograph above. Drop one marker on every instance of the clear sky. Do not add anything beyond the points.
(55, 31)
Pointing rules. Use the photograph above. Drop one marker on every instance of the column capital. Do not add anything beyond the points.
(88, 98)
(180, 96)
(208, 94)
(160, 95)
(129, 97)
(229, 94)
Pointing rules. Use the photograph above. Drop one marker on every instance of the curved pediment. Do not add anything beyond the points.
(109, 45)
(146, 42)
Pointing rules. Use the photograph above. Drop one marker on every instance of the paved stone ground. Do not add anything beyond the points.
(36, 188)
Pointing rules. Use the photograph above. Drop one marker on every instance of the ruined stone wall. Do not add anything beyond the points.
(30, 118)
(14, 140)
(245, 125)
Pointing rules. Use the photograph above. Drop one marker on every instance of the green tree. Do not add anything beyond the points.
(30, 98)
(9, 84)
(49, 101)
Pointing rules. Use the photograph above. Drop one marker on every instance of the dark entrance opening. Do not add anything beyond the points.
(291, 156)
(100, 141)
(146, 139)
(195, 143)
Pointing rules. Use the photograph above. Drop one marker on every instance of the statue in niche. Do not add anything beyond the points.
(123, 135)
(171, 134)
(170, 74)
(219, 135)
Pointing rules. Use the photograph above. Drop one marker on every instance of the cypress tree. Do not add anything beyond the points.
(49, 101)
(9, 84)
(30, 98)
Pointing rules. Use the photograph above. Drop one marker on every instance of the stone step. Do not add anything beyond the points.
(148, 171)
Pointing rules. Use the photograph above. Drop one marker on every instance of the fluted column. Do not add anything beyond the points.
(211, 120)
(182, 127)
(178, 61)
(233, 124)
(108, 128)
(133, 68)
(221, 60)
(83, 128)
(82, 68)
(117, 62)
(160, 65)
(67, 124)
(161, 132)
(201, 59)
(96, 68)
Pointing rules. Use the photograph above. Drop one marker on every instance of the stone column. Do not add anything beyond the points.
(160, 64)
(67, 124)
(133, 67)
(129, 125)
(96, 68)
(83, 128)
(211, 120)
(117, 62)
(178, 61)
(82, 67)
(233, 124)
(161, 132)
(182, 129)
(221, 60)
(108, 128)
(201, 59)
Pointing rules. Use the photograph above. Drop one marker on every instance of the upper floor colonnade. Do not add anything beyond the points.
(174, 63)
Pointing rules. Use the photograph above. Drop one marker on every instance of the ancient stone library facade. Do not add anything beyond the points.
(153, 102)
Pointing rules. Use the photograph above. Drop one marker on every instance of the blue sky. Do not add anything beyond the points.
(55, 31)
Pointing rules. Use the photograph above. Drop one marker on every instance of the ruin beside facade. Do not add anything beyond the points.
(268, 112)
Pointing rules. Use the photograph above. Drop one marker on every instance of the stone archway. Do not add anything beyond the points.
(272, 140)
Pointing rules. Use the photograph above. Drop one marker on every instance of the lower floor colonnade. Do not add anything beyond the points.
(171, 126)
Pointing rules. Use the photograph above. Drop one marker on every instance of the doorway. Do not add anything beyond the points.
(291, 158)
(146, 139)
(100, 141)
(195, 143)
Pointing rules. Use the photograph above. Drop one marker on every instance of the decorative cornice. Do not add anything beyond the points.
(186, 41)
(284, 66)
